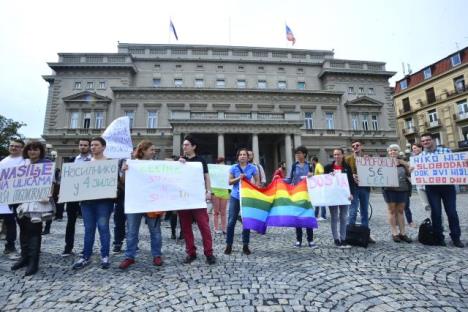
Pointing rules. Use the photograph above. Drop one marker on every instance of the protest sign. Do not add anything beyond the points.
(152, 185)
(118, 139)
(89, 180)
(450, 168)
(26, 183)
(4, 209)
(219, 176)
(377, 171)
(329, 189)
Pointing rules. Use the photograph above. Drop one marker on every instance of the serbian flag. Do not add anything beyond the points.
(171, 26)
(279, 204)
(290, 35)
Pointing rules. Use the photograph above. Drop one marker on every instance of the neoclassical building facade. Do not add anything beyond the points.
(267, 99)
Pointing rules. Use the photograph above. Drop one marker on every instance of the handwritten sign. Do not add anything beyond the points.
(26, 183)
(377, 171)
(152, 185)
(450, 168)
(329, 189)
(219, 176)
(88, 180)
(118, 139)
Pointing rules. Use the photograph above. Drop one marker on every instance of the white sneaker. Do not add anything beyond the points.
(298, 244)
(312, 245)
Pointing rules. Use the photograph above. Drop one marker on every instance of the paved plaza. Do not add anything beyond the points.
(276, 277)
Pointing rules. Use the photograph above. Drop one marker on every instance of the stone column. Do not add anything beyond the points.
(297, 140)
(288, 152)
(255, 149)
(176, 144)
(221, 145)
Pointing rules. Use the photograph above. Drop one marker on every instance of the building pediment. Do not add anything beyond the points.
(87, 97)
(364, 101)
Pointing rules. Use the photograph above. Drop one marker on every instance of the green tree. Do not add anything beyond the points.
(8, 129)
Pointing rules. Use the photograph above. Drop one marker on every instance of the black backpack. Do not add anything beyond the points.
(426, 233)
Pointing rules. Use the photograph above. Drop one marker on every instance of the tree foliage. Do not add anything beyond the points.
(8, 129)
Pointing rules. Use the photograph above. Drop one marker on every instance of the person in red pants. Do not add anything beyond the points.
(199, 215)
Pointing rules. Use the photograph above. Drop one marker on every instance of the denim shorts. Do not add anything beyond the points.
(395, 196)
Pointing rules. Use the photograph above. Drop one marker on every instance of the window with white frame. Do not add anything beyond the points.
(199, 83)
(462, 107)
(131, 115)
(74, 119)
(102, 85)
(99, 120)
(281, 84)
(87, 120)
(89, 85)
(220, 83)
(432, 116)
(262, 84)
(330, 120)
(437, 138)
(309, 120)
(409, 123)
(375, 122)
(300, 85)
(156, 82)
(371, 91)
(178, 82)
(241, 83)
(403, 84)
(361, 90)
(355, 121)
(365, 122)
(459, 83)
(350, 90)
(427, 73)
(77, 85)
(455, 59)
(152, 121)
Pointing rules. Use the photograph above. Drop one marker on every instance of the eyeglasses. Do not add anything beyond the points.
(355, 145)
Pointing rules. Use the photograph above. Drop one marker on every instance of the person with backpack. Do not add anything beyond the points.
(301, 169)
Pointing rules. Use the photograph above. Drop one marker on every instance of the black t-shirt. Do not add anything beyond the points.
(199, 159)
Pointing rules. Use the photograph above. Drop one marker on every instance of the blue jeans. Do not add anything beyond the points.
(133, 227)
(96, 213)
(322, 210)
(234, 209)
(408, 214)
(446, 194)
(361, 198)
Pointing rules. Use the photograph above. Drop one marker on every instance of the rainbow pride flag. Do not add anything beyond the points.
(279, 204)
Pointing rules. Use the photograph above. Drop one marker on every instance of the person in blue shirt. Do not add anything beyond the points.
(237, 172)
(300, 170)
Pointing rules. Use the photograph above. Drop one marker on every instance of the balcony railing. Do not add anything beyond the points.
(409, 130)
(460, 116)
(186, 115)
(433, 124)
(445, 95)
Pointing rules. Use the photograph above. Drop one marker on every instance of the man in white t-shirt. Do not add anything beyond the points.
(9, 220)
(261, 172)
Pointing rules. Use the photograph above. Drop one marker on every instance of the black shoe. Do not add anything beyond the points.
(211, 260)
(189, 259)
(45, 232)
(337, 242)
(440, 243)
(371, 240)
(245, 250)
(458, 244)
(396, 238)
(405, 238)
(117, 249)
(21, 263)
(228, 250)
(33, 266)
(173, 236)
(9, 250)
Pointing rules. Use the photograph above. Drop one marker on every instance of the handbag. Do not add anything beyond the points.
(357, 235)
(426, 233)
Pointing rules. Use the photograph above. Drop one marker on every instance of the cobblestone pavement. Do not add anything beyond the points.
(275, 277)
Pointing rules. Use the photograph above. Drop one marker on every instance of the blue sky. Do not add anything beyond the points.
(416, 32)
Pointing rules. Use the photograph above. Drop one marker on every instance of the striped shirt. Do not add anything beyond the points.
(438, 150)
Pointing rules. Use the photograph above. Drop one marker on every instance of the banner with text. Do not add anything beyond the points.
(89, 180)
(377, 171)
(118, 139)
(329, 189)
(156, 185)
(219, 176)
(4, 209)
(26, 183)
(450, 168)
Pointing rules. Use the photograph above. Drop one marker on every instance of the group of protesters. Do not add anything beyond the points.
(226, 204)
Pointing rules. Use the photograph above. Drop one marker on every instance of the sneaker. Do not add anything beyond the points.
(117, 249)
(371, 240)
(67, 253)
(81, 263)
(189, 259)
(157, 261)
(321, 219)
(344, 245)
(405, 238)
(126, 263)
(312, 245)
(45, 232)
(211, 260)
(245, 250)
(458, 244)
(105, 263)
(337, 242)
(9, 250)
(298, 244)
(14, 256)
(228, 250)
(428, 208)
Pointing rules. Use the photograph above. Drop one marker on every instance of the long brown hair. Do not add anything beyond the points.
(141, 147)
